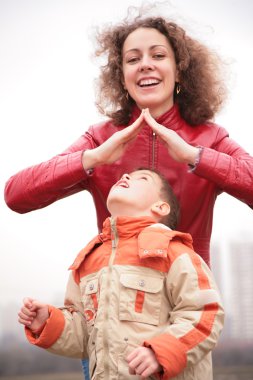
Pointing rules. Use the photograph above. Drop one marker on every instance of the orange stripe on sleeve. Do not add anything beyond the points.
(52, 331)
(203, 328)
(171, 352)
(202, 277)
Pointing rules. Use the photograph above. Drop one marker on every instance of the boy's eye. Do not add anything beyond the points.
(145, 178)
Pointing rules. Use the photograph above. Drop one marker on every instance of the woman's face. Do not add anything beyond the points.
(149, 70)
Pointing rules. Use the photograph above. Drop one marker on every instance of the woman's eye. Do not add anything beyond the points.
(159, 56)
(133, 60)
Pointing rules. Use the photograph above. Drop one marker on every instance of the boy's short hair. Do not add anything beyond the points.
(167, 195)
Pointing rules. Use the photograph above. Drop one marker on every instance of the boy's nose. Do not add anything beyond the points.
(126, 176)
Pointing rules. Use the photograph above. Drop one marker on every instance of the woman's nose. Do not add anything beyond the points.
(146, 64)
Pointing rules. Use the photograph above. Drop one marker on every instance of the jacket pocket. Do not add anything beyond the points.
(90, 300)
(140, 298)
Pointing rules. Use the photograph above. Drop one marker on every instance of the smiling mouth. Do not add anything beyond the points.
(148, 82)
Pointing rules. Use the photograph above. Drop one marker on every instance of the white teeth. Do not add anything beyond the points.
(148, 82)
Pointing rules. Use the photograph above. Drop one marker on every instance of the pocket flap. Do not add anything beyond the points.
(91, 286)
(144, 283)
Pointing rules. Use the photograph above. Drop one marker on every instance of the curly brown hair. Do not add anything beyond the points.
(202, 86)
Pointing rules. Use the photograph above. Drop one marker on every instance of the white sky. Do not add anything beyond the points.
(47, 102)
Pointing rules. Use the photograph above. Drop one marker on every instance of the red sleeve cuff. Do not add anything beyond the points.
(51, 332)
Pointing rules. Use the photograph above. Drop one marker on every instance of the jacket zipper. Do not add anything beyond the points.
(153, 150)
(115, 239)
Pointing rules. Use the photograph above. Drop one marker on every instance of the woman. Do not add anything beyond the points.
(152, 64)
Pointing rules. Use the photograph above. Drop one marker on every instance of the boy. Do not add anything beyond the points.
(139, 302)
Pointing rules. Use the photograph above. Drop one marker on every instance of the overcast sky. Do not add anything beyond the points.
(47, 102)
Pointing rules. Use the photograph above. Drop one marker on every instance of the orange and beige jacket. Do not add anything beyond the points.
(137, 284)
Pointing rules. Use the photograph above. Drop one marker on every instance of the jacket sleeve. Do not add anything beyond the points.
(196, 319)
(65, 331)
(40, 185)
(229, 166)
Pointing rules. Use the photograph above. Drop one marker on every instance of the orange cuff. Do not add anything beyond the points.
(51, 332)
(170, 353)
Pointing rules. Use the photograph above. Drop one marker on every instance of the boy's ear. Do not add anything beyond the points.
(160, 208)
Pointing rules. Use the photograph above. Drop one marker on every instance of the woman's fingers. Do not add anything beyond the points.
(139, 122)
(130, 132)
(159, 129)
(177, 147)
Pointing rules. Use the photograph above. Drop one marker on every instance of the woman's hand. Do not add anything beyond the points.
(33, 314)
(113, 148)
(178, 149)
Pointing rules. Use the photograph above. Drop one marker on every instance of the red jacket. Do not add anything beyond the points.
(223, 166)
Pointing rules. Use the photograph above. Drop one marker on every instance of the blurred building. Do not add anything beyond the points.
(217, 266)
(219, 254)
(241, 289)
(232, 263)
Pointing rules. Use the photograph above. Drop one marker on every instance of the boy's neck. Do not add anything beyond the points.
(115, 215)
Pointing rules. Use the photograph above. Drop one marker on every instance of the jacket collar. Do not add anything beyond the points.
(125, 226)
(170, 119)
(153, 238)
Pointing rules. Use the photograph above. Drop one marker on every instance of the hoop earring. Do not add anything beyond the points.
(178, 88)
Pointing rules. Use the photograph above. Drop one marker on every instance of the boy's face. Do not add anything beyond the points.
(134, 194)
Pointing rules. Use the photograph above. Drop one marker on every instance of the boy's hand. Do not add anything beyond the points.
(33, 314)
(142, 361)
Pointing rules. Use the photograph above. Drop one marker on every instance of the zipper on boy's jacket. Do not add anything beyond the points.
(114, 237)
